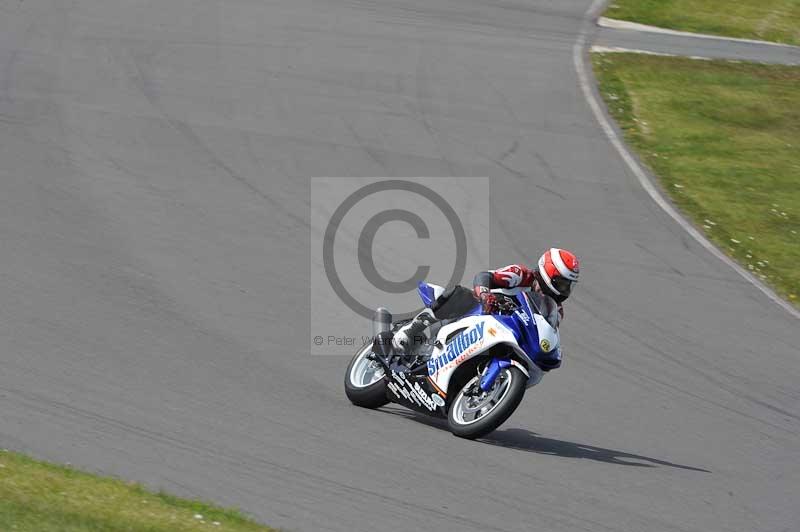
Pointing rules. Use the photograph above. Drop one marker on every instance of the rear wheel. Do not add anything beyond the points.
(363, 381)
(474, 413)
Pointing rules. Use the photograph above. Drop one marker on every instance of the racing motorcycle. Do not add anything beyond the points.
(473, 371)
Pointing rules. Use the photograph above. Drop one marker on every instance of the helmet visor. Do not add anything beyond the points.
(563, 285)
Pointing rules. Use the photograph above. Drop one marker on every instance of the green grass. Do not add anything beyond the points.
(724, 139)
(40, 497)
(768, 20)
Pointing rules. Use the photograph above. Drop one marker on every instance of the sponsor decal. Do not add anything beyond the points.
(492, 331)
(424, 397)
(402, 392)
(521, 314)
(416, 394)
(456, 347)
(437, 399)
(545, 345)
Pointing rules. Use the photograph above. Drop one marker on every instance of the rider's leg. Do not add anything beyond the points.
(410, 336)
(454, 302)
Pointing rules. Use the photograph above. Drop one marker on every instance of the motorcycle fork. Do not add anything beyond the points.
(492, 371)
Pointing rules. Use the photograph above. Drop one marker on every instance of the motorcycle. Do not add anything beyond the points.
(473, 371)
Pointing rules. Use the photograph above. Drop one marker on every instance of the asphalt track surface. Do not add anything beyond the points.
(154, 165)
(697, 46)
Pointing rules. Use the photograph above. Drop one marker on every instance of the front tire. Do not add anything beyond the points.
(364, 381)
(472, 415)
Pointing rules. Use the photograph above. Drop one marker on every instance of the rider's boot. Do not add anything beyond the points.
(410, 336)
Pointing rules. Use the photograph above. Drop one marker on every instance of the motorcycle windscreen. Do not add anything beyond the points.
(545, 306)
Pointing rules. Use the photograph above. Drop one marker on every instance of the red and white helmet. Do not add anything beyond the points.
(559, 270)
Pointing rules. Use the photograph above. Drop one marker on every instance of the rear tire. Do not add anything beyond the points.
(508, 389)
(357, 385)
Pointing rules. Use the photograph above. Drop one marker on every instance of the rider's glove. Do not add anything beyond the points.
(488, 299)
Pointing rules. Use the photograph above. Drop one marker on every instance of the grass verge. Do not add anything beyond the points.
(41, 497)
(724, 139)
(768, 20)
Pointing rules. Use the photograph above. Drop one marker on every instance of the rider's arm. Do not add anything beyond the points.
(482, 283)
(508, 277)
(481, 287)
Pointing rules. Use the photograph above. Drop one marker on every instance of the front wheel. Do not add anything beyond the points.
(475, 413)
(363, 381)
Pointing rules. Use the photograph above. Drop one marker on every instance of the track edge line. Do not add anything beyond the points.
(588, 86)
(617, 24)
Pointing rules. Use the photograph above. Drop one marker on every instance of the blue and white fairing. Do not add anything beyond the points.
(428, 293)
(530, 332)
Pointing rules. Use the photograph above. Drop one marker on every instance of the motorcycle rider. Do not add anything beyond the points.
(557, 272)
